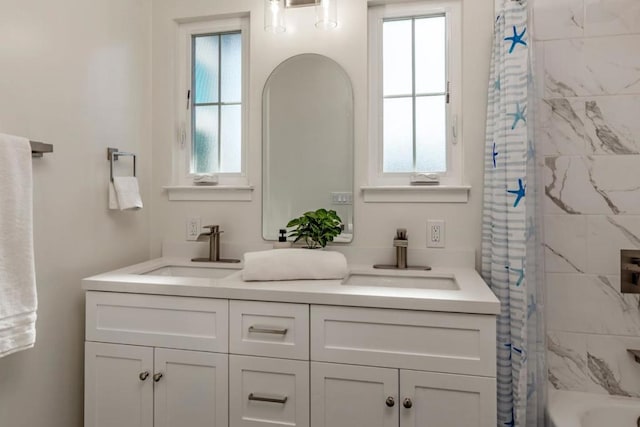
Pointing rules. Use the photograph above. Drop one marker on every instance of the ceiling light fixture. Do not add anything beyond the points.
(274, 16)
(326, 13)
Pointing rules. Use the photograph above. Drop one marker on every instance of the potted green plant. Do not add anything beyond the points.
(316, 228)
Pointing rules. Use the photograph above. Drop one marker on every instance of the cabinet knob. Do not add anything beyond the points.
(157, 377)
(407, 403)
(143, 375)
(390, 402)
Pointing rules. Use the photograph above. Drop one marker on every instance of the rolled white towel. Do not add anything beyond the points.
(293, 264)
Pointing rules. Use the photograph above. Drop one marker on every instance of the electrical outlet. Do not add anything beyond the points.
(435, 233)
(193, 228)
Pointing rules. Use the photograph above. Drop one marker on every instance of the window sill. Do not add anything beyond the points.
(416, 194)
(214, 193)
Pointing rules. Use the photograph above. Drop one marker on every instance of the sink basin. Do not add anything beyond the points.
(401, 281)
(184, 271)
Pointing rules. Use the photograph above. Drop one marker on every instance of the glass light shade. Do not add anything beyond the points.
(274, 16)
(326, 14)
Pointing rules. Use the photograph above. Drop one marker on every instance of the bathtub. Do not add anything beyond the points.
(574, 409)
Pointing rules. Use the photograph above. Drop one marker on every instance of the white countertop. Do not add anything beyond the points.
(474, 296)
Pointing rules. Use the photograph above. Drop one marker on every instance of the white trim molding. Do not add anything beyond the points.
(416, 194)
(212, 193)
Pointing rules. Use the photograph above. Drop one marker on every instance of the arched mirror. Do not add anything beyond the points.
(307, 107)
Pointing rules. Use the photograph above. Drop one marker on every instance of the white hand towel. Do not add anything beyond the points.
(127, 192)
(293, 264)
(113, 198)
(18, 299)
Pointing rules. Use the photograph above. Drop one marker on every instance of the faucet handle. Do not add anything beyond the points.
(401, 234)
(214, 229)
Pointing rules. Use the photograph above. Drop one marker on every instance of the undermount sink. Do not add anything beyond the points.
(185, 271)
(412, 281)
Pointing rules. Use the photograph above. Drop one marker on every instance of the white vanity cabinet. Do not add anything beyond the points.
(133, 386)
(169, 361)
(426, 369)
(362, 396)
(155, 361)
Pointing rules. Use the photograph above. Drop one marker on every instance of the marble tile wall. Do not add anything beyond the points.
(588, 131)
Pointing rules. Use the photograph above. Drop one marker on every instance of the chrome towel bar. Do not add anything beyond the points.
(113, 154)
(39, 148)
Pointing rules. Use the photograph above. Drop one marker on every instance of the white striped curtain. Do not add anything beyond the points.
(511, 262)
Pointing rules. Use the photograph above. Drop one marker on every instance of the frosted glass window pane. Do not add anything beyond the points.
(231, 139)
(430, 55)
(206, 69)
(231, 64)
(431, 138)
(396, 57)
(398, 135)
(205, 140)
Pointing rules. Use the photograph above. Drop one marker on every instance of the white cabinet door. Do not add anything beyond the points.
(353, 396)
(118, 385)
(190, 389)
(446, 400)
(268, 392)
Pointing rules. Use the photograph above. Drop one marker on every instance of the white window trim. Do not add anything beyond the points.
(231, 185)
(453, 178)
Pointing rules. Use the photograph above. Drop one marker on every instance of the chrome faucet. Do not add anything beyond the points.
(214, 245)
(401, 243)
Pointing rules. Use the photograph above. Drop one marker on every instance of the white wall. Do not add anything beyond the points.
(589, 134)
(374, 223)
(74, 73)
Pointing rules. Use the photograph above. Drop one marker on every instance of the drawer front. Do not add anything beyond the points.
(268, 392)
(427, 341)
(269, 329)
(160, 321)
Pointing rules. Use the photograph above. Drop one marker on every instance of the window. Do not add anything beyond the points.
(216, 94)
(415, 84)
(212, 102)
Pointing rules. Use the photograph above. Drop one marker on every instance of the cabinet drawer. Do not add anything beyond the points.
(269, 329)
(160, 321)
(268, 392)
(427, 341)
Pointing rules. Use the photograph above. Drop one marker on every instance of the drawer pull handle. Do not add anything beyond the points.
(157, 377)
(407, 403)
(391, 402)
(259, 329)
(143, 375)
(270, 399)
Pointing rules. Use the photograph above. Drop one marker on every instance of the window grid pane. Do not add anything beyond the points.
(205, 139)
(430, 42)
(431, 135)
(415, 142)
(398, 138)
(231, 138)
(216, 122)
(231, 68)
(397, 62)
(206, 73)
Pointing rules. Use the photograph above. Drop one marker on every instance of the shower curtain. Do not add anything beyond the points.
(511, 261)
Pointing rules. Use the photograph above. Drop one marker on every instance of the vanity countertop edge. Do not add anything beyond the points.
(473, 297)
